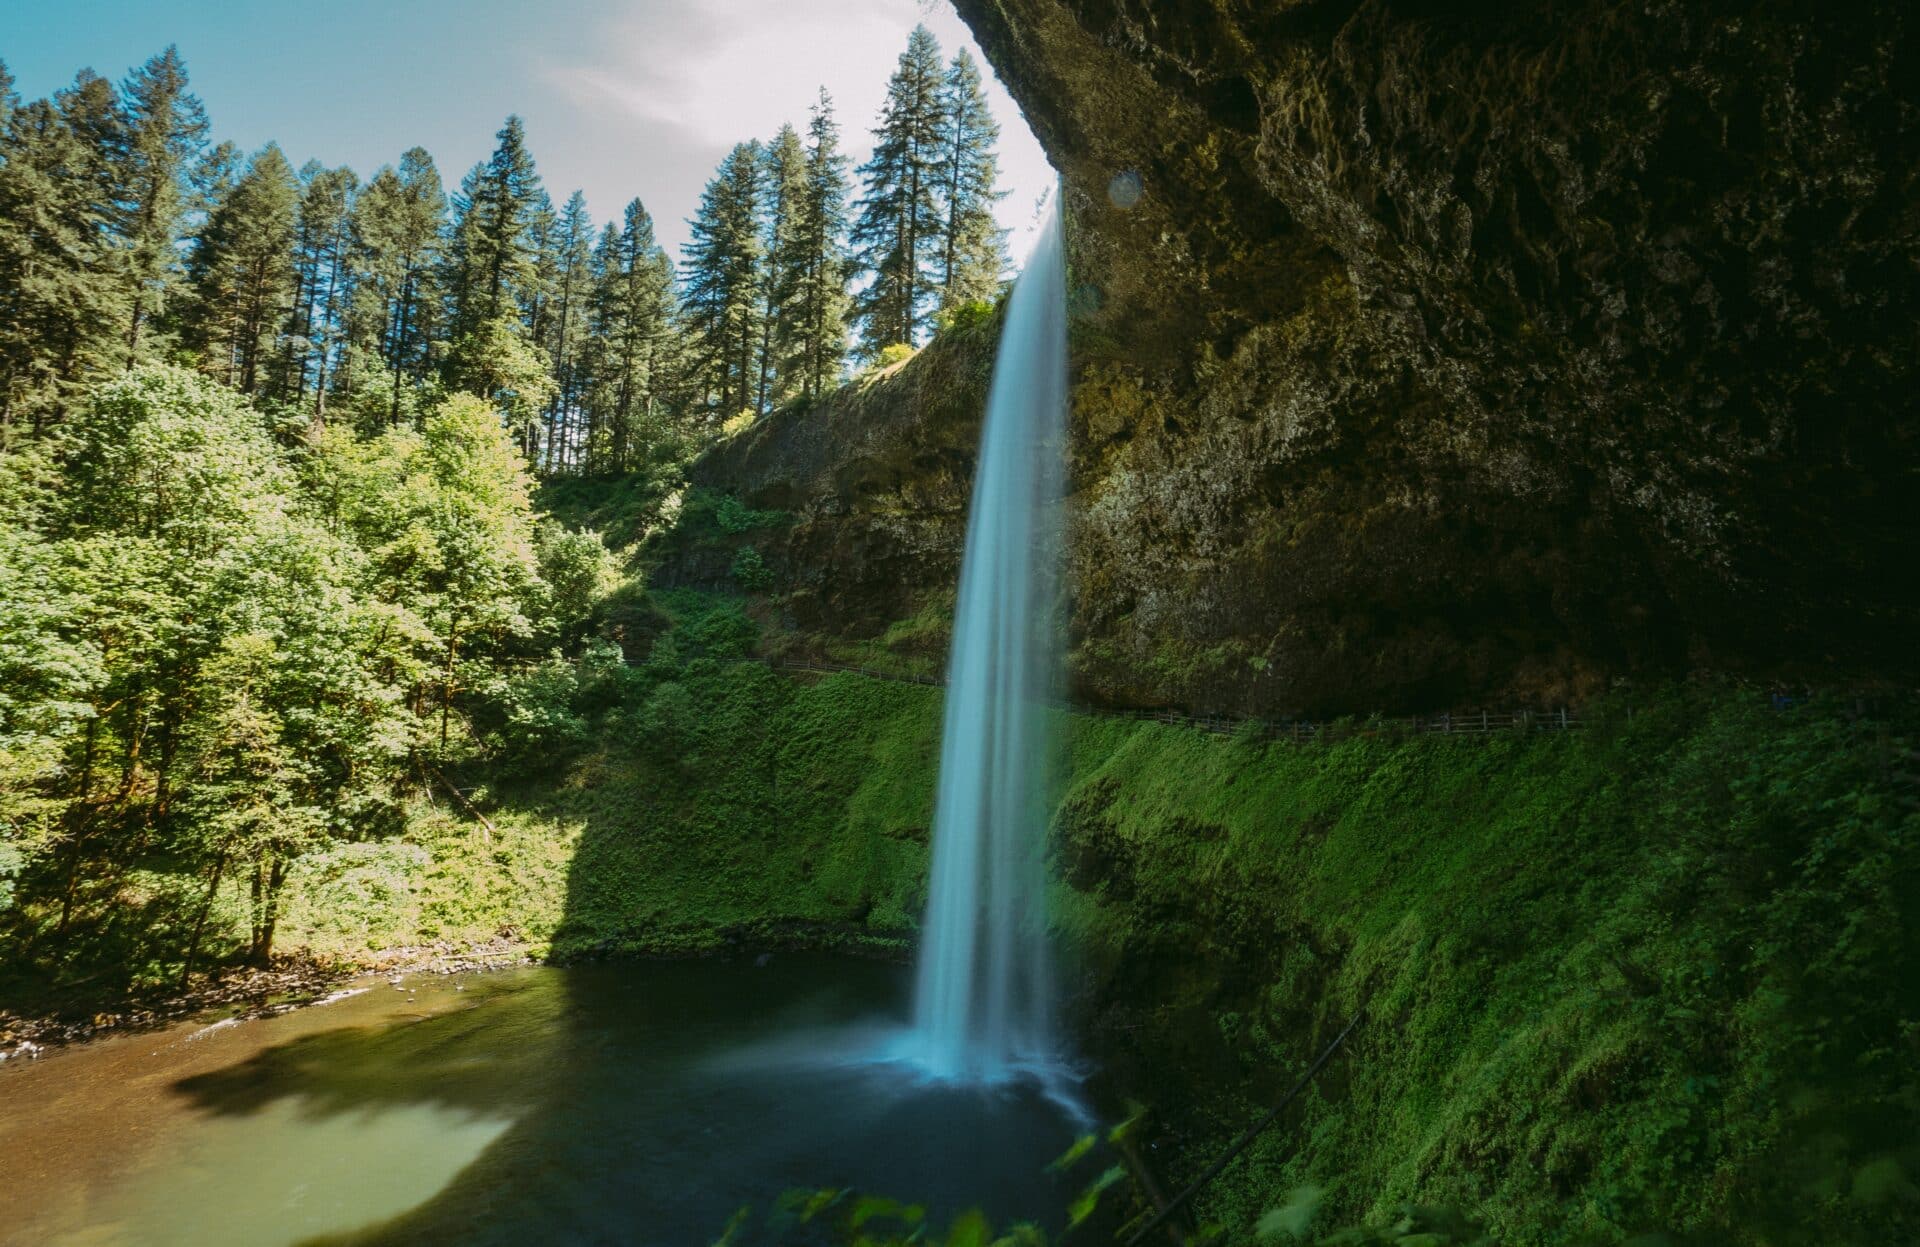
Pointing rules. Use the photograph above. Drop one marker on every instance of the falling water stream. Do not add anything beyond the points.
(982, 1005)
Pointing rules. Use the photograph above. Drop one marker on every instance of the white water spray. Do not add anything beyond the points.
(983, 1004)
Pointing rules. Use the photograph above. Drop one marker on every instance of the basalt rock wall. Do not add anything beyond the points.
(1437, 353)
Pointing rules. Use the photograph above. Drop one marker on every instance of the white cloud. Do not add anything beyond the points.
(666, 89)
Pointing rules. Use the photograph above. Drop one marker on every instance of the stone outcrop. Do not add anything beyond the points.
(1432, 352)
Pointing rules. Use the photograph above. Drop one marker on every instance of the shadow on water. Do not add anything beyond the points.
(648, 1102)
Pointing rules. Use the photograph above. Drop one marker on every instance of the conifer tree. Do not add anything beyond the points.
(812, 336)
(897, 236)
(242, 272)
(723, 291)
(972, 244)
(594, 435)
(316, 323)
(569, 323)
(61, 298)
(493, 252)
(786, 182)
(536, 297)
(634, 320)
(397, 223)
(213, 175)
(164, 133)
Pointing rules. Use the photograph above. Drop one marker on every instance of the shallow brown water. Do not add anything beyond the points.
(609, 1104)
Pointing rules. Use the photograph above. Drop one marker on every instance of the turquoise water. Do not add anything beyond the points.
(639, 1104)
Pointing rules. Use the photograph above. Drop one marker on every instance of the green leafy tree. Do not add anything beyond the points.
(577, 569)
(446, 517)
(498, 363)
(46, 678)
(897, 237)
(167, 477)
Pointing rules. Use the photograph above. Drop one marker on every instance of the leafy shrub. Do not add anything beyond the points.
(705, 627)
(667, 722)
(539, 724)
(888, 357)
(736, 517)
(965, 317)
(577, 568)
(751, 570)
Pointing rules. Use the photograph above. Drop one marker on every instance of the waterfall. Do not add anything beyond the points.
(983, 1000)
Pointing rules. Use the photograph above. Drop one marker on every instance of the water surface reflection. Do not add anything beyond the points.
(617, 1104)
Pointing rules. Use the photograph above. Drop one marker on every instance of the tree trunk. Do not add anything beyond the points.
(399, 346)
(266, 892)
(446, 684)
(200, 923)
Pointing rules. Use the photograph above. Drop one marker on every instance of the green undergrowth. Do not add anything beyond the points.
(1654, 977)
(916, 646)
(622, 508)
(693, 803)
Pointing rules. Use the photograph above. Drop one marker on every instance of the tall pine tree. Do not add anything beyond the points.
(316, 324)
(786, 182)
(723, 290)
(897, 236)
(812, 334)
(973, 251)
(62, 298)
(397, 224)
(163, 135)
(493, 254)
(242, 272)
(634, 321)
(568, 325)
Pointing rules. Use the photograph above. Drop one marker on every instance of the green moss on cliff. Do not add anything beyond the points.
(1644, 978)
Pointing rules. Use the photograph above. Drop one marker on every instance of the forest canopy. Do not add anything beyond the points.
(128, 235)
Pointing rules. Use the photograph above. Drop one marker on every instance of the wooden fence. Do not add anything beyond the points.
(1453, 723)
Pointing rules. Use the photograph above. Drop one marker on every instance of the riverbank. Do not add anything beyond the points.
(246, 993)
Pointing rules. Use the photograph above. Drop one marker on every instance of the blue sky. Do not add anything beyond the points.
(621, 97)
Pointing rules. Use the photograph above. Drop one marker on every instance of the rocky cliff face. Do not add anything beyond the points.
(1431, 352)
(872, 484)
